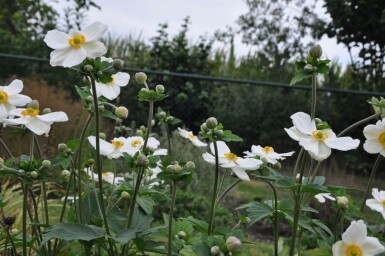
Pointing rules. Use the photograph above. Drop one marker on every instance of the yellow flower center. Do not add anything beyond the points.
(112, 81)
(3, 97)
(353, 250)
(76, 41)
(231, 156)
(105, 174)
(381, 138)
(382, 202)
(117, 144)
(191, 136)
(136, 143)
(320, 135)
(268, 149)
(30, 112)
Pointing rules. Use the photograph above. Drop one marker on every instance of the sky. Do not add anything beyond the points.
(141, 18)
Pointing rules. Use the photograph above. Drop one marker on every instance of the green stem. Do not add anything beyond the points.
(212, 209)
(372, 174)
(276, 220)
(25, 205)
(173, 196)
(227, 191)
(363, 121)
(297, 163)
(313, 96)
(44, 192)
(6, 148)
(169, 140)
(336, 224)
(99, 164)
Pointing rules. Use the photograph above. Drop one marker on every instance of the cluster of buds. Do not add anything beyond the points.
(165, 117)
(212, 128)
(175, 168)
(233, 244)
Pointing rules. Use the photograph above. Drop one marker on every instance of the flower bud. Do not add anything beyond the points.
(245, 220)
(190, 165)
(140, 77)
(91, 161)
(34, 174)
(88, 68)
(21, 171)
(182, 235)
(177, 168)
(162, 114)
(118, 64)
(170, 168)
(144, 90)
(152, 123)
(142, 161)
(143, 128)
(65, 173)
(125, 195)
(315, 52)
(215, 250)
(99, 73)
(34, 104)
(139, 132)
(86, 80)
(118, 121)
(277, 166)
(102, 135)
(343, 202)
(101, 108)
(233, 244)
(169, 118)
(308, 68)
(46, 163)
(14, 231)
(297, 177)
(204, 128)
(89, 99)
(159, 88)
(121, 112)
(211, 123)
(219, 133)
(46, 111)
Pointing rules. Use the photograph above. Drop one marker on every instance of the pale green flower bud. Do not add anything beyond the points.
(159, 88)
(176, 168)
(14, 231)
(46, 111)
(139, 132)
(86, 80)
(204, 128)
(145, 90)
(152, 123)
(140, 77)
(62, 147)
(121, 112)
(219, 134)
(142, 161)
(182, 235)
(143, 128)
(245, 220)
(118, 121)
(277, 166)
(88, 68)
(34, 174)
(125, 195)
(190, 165)
(46, 163)
(65, 173)
(233, 244)
(343, 202)
(101, 108)
(99, 73)
(211, 123)
(170, 168)
(118, 64)
(102, 135)
(169, 118)
(91, 161)
(215, 250)
(21, 171)
(315, 52)
(34, 104)
(162, 114)
(89, 99)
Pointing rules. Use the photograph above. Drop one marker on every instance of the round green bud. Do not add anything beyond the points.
(139, 132)
(219, 133)
(152, 123)
(204, 128)
(277, 166)
(142, 161)
(102, 135)
(143, 128)
(159, 88)
(308, 68)
(215, 250)
(211, 123)
(118, 64)
(62, 147)
(121, 112)
(169, 118)
(46, 163)
(343, 202)
(315, 52)
(144, 90)
(91, 161)
(99, 73)
(14, 231)
(118, 121)
(177, 168)
(190, 165)
(88, 68)
(34, 104)
(162, 114)
(68, 151)
(182, 235)
(170, 168)
(140, 77)
(65, 173)
(46, 111)
(89, 99)
(233, 244)
(246, 220)
(101, 108)
(86, 80)
(125, 195)
(21, 171)
(34, 174)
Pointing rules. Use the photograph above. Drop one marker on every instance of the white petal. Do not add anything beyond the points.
(356, 233)
(68, 57)
(303, 123)
(14, 88)
(16, 121)
(320, 198)
(121, 79)
(3, 111)
(295, 134)
(339, 248)
(286, 154)
(208, 158)
(241, 173)
(107, 90)
(19, 100)
(222, 148)
(328, 196)
(249, 163)
(376, 194)
(372, 246)
(225, 163)
(310, 144)
(38, 127)
(105, 147)
(59, 116)
(160, 152)
(375, 205)
(184, 133)
(372, 146)
(342, 143)
(94, 49)
(114, 154)
(56, 39)
(94, 31)
(196, 142)
(153, 143)
(372, 130)
(323, 152)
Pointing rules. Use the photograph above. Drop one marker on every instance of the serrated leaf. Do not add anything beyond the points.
(126, 235)
(146, 204)
(229, 136)
(299, 76)
(257, 211)
(74, 231)
(150, 95)
(81, 93)
(108, 114)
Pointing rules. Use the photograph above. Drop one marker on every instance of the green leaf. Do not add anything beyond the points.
(81, 93)
(198, 224)
(74, 231)
(314, 189)
(322, 68)
(126, 235)
(299, 76)
(146, 204)
(106, 79)
(286, 183)
(73, 144)
(300, 64)
(150, 95)
(257, 211)
(108, 114)
(229, 136)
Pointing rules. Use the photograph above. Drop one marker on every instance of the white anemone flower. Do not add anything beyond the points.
(71, 49)
(106, 176)
(10, 97)
(375, 138)
(230, 160)
(135, 144)
(317, 142)
(321, 197)
(193, 138)
(378, 202)
(112, 150)
(267, 154)
(355, 242)
(38, 124)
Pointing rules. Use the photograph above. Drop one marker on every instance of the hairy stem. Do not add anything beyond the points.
(212, 209)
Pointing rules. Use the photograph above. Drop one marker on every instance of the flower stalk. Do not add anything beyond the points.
(214, 196)
(372, 174)
(173, 197)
